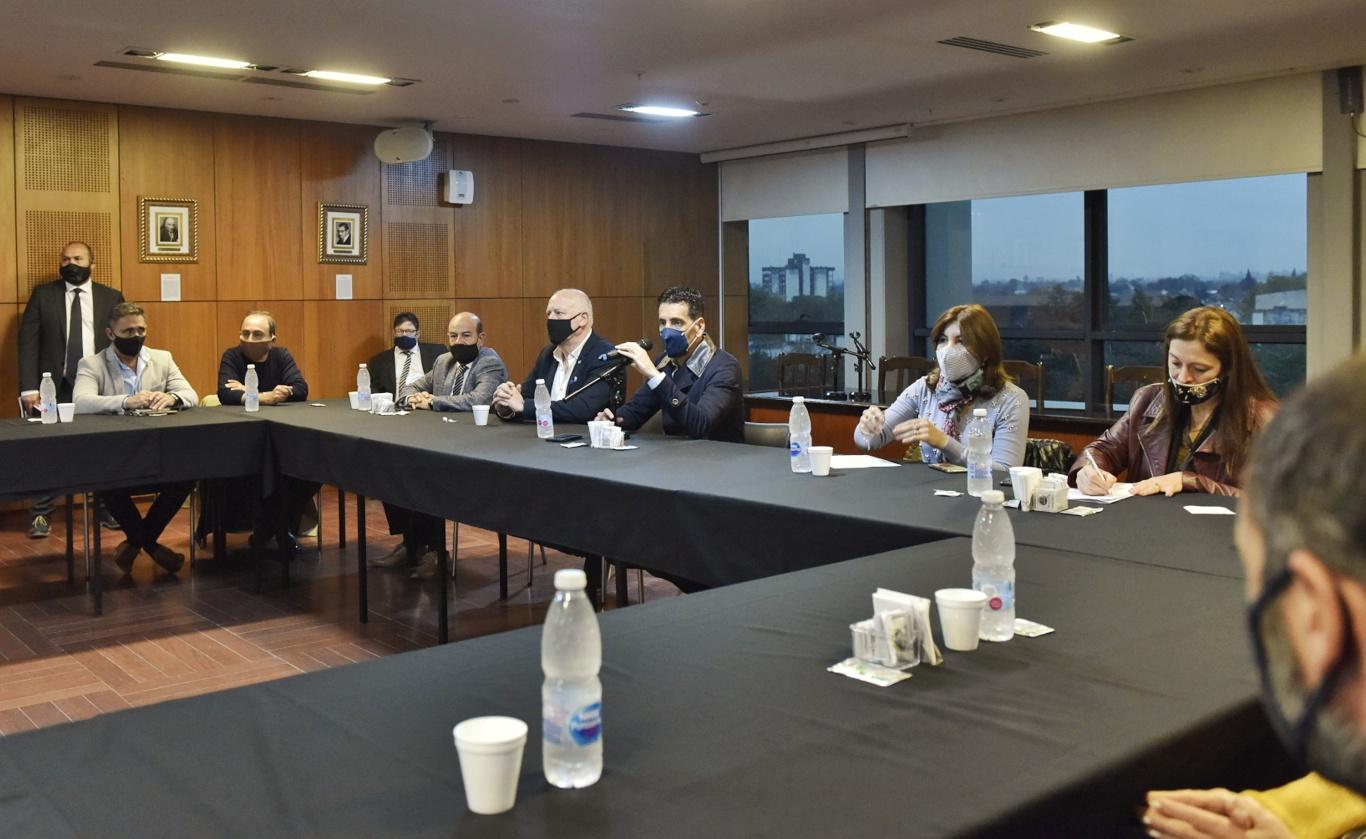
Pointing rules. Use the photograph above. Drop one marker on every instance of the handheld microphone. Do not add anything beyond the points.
(614, 355)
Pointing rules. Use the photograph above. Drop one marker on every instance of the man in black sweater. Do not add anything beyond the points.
(278, 381)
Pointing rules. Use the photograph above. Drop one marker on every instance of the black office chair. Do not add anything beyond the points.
(766, 434)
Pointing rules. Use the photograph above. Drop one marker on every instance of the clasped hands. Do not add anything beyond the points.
(1210, 814)
(508, 401)
(916, 430)
(151, 400)
(274, 396)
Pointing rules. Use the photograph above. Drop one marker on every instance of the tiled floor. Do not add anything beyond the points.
(165, 637)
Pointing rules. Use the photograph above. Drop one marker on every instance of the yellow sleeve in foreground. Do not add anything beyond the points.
(1314, 807)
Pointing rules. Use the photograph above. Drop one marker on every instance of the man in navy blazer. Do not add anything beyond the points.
(574, 357)
(696, 385)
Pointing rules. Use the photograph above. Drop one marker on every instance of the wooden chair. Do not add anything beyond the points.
(907, 368)
(1132, 374)
(801, 374)
(1027, 371)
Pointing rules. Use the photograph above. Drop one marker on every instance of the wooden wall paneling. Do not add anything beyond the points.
(735, 247)
(9, 257)
(432, 316)
(9, 371)
(418, 233)
(340, 167)
(257, 177)
(582, 219)
(679, 236)
(167, 154)
(503, 328)
(289, 328)
(488, 233)
(189, 331)
(338, 336)
(66, 162)
(737, 331)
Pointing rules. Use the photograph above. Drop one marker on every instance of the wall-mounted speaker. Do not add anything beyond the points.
(459, 187)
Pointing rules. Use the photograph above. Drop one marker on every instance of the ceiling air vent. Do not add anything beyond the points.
(991, 46)
(614, 117)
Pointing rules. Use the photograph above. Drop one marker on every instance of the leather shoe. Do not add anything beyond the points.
(284, 540)
(124, 555)
(398, 556)
(107, 520)
(430, 567)
(39, 528)
(166, 558)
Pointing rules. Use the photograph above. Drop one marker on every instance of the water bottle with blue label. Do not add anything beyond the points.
(799, 435)
(47, 400)
(571, 696)
(363, 388)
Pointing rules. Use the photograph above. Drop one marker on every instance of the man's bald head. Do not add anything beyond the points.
(465, 328)
(568, 302)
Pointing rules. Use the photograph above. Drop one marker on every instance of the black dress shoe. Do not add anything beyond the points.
(124, 555)
(39, 528)
(287, 544)
(107, 520)
(166, 558)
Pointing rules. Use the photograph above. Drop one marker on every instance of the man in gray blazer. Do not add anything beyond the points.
(128, 376)
(465, 376)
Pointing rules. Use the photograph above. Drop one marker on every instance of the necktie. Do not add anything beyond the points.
(407, 367)
(459, 386)
(75, 338)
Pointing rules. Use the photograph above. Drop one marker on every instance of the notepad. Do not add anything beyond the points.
(1208, 510)
(1118, 492)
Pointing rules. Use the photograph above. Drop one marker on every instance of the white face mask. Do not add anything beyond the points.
(955, 362)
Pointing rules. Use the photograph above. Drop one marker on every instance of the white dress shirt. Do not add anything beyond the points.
(560, 386)
(414, 374)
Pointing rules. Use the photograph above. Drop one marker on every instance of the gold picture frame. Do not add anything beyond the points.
(168, 229)
(343, 233)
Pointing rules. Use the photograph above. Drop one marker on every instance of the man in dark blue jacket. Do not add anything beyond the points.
(695, 384)
(575, 356)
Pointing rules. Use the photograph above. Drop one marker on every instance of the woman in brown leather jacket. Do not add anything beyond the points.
(1191, 433)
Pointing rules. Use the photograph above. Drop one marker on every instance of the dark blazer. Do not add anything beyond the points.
(710, 406)
(1133, 443)
(42, 332)
(586, 405)
(384, 372)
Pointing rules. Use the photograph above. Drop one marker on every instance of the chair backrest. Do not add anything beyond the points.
(1132, 374)
(209, 400)
(907, 368)
(766, 434)
(1048, 454)
(1028, 373)
(801, 374)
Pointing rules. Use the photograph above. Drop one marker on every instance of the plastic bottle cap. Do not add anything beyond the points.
(540, 381)
(570, 579)
(991, 496)
(362, 367)
(798, 400)
(47, 375)
(251, 366)
(979, 412)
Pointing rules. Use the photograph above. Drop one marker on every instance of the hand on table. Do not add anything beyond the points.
(507, 400)
(233, 384)
(1210, 814)
(1168, 484)
(1093, 481)
(151, 400)
(420, 401)
(605, 415)
(30, 401)
(920, 430)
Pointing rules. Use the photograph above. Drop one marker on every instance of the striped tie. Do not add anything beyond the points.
(459, 386)
(407, 368)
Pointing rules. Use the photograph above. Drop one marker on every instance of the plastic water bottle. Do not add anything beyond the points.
(979, 453)
(47, 399)
(571, 696)
(363, 388)
(545, 421)
(252, 399)
(799, 435)
(993, 567)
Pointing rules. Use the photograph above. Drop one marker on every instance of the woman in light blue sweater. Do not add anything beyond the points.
(935, 410)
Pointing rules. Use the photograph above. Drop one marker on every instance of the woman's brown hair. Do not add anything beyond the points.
(978, 332)
(1243, 386)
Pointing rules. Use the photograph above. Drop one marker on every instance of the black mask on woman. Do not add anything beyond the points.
(75, 274)
(464, 353)
(1196, 393)
(129, 346)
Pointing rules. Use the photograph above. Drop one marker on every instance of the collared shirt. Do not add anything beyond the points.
(131, 378)
(697, 362)
(560, 386)
(414, 373)
(87, 317)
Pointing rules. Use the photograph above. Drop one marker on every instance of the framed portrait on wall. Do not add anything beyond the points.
(342, 233)
(168, 229)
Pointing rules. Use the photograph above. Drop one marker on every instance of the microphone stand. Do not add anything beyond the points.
(608, 373)
(835, 354)
(861, 357)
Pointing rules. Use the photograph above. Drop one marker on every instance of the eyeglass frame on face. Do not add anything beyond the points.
(405, 329)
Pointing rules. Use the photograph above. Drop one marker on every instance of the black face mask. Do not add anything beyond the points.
(405, 342)
(1196, 393)
(129, 346)
(464, 353)
(559, 330)
(75, 274)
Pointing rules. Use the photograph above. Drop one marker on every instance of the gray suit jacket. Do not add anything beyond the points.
(487, 372)
(99, 385)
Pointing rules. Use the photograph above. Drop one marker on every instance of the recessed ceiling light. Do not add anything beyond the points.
(1079, 32)
(351, 78)
(203, 60)
(660, 111)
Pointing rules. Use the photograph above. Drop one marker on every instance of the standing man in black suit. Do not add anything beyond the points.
(575, 356)
(63, 323)
(409, 360)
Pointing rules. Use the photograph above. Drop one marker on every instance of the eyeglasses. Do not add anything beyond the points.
(405, 331)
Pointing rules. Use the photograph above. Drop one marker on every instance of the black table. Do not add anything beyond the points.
(719, 719)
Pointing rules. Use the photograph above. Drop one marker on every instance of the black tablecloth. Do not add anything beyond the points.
(719, 720)
(105, 451)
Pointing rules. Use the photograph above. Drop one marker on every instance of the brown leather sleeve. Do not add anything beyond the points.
(1194, 482)
(1111, 450)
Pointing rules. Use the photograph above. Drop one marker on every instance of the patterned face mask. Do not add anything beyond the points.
(956, 363)
(1196, 393)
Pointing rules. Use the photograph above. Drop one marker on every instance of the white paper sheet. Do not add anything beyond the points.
(1118, 492)
(1207, 510)
(858, 461)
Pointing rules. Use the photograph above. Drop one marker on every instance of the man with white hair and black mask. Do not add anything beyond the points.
(1301, 533)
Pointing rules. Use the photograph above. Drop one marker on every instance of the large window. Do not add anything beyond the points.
(1085, 280)
(796, 289)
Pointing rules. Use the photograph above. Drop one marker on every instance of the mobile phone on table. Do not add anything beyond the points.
(564, 438)
(950, 468)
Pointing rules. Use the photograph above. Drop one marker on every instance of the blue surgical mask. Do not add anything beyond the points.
(675, 341)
